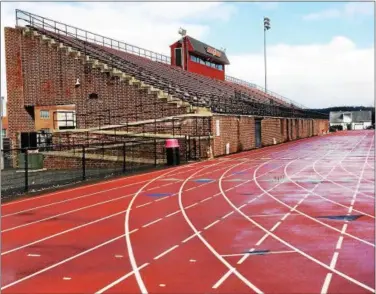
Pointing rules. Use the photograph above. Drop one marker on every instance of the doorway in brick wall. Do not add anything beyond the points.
(258, 133)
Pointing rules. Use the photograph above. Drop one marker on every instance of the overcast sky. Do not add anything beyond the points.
(319, 54)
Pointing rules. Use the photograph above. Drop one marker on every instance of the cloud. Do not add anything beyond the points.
(316, 75)
(348, 10)
(267, 5)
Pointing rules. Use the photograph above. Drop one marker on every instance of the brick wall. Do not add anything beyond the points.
(238, 131)
(270, 131)
(19, 118)
(41, 75)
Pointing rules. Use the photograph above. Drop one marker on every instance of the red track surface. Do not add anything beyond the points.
(116, 237)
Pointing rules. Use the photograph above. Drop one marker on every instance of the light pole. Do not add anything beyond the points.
(266, 28)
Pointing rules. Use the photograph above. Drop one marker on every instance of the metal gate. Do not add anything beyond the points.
(258, 133)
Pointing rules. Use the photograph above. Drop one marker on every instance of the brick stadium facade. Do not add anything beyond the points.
(43, 69)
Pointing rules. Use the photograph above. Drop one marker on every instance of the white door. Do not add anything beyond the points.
(358, 126)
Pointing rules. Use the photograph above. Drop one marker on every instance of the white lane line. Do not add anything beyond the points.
(325, 286)
(164, 198)
(165, 252)
(203, 240)
(142, 205)
(245, 256)
(288, 244)
(286, 215)
(61, 233)
(350, 209)
(224, 277)
(206, 199)
(194, 204)
(334, 260)
(71, 199)
(153, 222)
(128, 242)
(67, 278)
(212, 224)
(227, 215)
(339, 243)
(344, 228)
(275, 226)
(240, 207)
(120, 279)
(190, 237)
(63, 261)
(262, 239)
(33, 255)
(264, 253)
(171, 214)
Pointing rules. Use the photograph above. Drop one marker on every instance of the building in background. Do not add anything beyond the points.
(351, 120)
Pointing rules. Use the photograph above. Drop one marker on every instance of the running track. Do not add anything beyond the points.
(292, 218)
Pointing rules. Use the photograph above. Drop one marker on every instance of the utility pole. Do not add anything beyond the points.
(266, 28)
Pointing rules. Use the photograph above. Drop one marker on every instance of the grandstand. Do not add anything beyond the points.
(128, 98)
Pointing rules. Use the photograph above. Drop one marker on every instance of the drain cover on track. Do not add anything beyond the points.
(342, 217)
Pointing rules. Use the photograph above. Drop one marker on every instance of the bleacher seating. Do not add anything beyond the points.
(198, 90)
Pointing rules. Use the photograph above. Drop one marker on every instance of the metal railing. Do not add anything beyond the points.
(254, 86)
(31, 19)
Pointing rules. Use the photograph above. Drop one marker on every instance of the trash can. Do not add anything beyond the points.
(172, 152)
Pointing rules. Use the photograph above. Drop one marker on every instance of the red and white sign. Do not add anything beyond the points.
(213, 51)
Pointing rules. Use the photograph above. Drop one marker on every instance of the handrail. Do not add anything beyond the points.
(254, 86)
(92, 37)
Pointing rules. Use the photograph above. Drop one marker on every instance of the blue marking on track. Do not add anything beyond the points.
(204, 180)
(239, 173)
(158, 194)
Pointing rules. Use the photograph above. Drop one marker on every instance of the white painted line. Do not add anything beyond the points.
(240, 207)
(192, 260)
(194, 204)
(352, 202)
(286, 215)
(147, 203)
(61, 262)
(171, 214)
(344, 228)
(67, 278)
(165, 252)
(160, 199)
(109, 286)
(339, 243)
(231, 212)
(206, 243)
(223, 278)
(212, 224)
(334, 260)
(262, 239)
(190, 237)
(264, 253)
(162, 285)
(275, 226)
(350, 209)
(206, 199)
(153, 222)
(119, 256)
(325, 286)
(33, 255)
(245, 256)
(61, 233)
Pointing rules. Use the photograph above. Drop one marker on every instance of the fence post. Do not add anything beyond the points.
(26, 170)
(83, 163)
(199, 147)
(124, 156)
(155, 152)
(186, 148)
